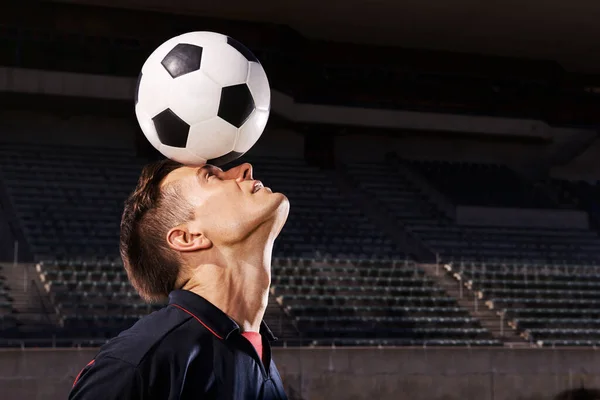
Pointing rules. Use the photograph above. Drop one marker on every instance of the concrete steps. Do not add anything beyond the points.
(377, 214)
(466, 299)
(30, 299)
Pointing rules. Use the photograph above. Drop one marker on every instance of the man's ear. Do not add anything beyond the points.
(181, 239)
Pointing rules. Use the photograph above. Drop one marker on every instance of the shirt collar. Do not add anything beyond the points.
(210, 315)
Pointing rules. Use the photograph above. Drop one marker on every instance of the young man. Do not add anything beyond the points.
(202, 238)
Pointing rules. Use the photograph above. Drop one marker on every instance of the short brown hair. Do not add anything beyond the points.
(149, 212)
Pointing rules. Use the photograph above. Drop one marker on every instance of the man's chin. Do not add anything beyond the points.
(282, 211)
(281, 196)
(275, 197)
(277, 213)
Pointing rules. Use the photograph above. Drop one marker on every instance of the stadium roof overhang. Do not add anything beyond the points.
(567, 32)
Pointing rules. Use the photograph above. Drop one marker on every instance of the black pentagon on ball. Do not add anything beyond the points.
(227, 158)
(242, 49)
(236, 104)
(171, 130)
(182, 59)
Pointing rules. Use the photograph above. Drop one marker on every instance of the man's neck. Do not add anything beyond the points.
(238, 286)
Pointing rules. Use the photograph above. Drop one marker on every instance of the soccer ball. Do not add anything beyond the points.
(202, 97)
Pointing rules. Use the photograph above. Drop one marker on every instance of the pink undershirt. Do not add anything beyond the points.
(256, 339)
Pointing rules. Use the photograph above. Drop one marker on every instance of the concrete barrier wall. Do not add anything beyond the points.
(358, 373)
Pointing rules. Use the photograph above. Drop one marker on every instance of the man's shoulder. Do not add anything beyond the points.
(167, 327)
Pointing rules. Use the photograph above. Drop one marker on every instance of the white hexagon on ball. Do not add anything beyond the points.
(192, 95)
(225, 65)
(212, 138)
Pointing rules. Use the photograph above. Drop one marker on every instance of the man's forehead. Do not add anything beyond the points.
(186, 172)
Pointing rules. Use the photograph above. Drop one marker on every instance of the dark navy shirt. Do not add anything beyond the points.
(187, 350)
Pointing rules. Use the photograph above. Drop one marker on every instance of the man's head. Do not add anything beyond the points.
(179, 214)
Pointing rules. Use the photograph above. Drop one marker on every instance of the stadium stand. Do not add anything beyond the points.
(542, 282)
(93, 298)
(67, 201)
(366, 303)
(480, 184)
(550, 305)
(8, 320)
(411, 207)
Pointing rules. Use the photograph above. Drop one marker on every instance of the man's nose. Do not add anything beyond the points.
(244, 172)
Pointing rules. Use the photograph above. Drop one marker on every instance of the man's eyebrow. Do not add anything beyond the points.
(206, 167)
(200, 170)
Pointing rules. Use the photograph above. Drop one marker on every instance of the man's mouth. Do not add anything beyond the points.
(257, 186)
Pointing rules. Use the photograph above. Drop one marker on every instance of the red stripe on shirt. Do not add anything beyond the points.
(197, 319)
(80, 372)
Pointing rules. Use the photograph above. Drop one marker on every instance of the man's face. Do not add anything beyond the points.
(229, 205)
